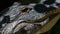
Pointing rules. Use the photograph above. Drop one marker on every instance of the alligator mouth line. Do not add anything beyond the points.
(47, 14)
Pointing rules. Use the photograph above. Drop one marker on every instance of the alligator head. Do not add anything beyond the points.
(23, 17)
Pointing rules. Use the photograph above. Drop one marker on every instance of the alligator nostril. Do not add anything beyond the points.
(40, 8)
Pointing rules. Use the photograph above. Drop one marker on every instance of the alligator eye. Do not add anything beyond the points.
(40, 8)
(24, 10)
(48, 2)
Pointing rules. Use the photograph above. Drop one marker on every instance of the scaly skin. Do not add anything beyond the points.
(26, 16)
(47, 14)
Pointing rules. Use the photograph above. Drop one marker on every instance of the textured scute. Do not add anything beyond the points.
(40, 8)
(51, 8)
(49, 2)
(58, 4)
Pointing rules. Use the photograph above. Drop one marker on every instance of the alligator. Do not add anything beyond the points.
(23, 18)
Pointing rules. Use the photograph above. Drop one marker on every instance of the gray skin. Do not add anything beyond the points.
(17, 17)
